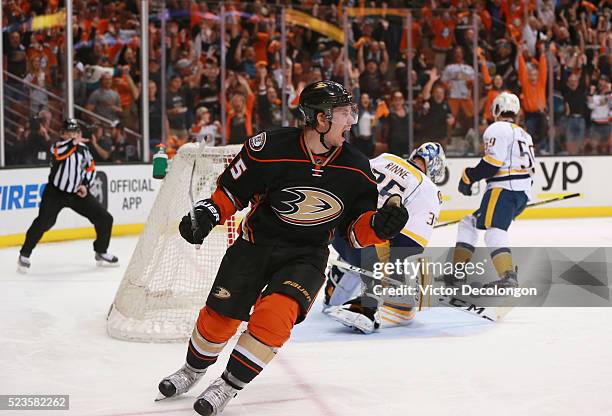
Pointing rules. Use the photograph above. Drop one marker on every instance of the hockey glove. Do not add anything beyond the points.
(206, 215)
(390, 218)
(465, 184)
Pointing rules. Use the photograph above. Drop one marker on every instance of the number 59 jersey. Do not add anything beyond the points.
(420, 195)
(511, 149)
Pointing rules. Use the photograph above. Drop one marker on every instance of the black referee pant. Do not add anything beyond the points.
(53, 200)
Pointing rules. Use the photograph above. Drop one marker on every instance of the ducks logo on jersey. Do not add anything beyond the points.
(308, 206)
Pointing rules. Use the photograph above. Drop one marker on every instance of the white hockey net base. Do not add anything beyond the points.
(168, 280)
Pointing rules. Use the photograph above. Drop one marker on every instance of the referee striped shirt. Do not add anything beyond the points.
(72, 166)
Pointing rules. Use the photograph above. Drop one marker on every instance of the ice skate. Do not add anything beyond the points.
(23, 264)
(360, 318)
(106, 260)
(508, 280)
(179, 382)
(214, 399)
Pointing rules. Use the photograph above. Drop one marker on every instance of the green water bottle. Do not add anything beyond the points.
(160, 163)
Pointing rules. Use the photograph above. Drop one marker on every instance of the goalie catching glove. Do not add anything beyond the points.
(390, 219)
(206, 216)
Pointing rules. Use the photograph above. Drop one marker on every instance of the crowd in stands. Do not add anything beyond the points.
(546, 51)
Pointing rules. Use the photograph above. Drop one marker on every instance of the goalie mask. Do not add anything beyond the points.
(435, 160)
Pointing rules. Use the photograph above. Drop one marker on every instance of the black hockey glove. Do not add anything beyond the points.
(465, 184)
(207, 215)
(390, 218)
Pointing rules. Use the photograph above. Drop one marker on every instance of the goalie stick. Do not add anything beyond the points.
(485, 312)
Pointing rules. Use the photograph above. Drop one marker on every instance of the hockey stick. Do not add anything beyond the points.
(484, 312)
(535, 204)
(194, 223)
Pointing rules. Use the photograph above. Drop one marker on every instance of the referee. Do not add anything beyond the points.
(72, 173)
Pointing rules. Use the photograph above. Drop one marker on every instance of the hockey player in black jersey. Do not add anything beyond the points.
(303, 184)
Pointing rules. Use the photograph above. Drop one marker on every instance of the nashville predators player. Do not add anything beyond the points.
(415, 180)
(508, 167)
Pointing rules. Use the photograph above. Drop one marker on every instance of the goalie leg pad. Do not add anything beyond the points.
(347, 285)
(393, 314)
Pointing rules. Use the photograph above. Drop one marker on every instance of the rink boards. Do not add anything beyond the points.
(128, 191)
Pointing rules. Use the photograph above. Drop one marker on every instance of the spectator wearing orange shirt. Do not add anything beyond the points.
(240, 113)
(444, 37)
(128, 94)
(41, 49)
(533, 88)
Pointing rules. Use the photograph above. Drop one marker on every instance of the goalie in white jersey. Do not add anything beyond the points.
(346, 299)
(508, 167)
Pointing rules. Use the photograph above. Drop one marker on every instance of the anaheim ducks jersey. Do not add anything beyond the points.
(296, 197)
(420, 195)
(510, 148)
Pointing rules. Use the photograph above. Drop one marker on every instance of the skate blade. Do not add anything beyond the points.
(102, 263)
(161, 397)
(22, 270)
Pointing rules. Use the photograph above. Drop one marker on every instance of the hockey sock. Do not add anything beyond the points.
(269, 328)
(248, 359)
(498, 242)
(463, 252)
(210, 335)
(502, 260)
(202, 353)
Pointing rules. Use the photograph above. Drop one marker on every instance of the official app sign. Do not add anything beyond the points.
(127, 192)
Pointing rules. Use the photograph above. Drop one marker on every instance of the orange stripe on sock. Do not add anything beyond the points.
(238, 358)
(200, 356)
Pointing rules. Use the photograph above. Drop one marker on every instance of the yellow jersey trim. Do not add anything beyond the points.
(401, 162)
(492, 161)
(511, 171)
(491, 206)
(422, 241)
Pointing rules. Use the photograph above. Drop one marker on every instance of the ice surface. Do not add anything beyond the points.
(553, 361)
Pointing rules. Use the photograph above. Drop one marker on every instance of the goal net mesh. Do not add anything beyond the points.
(167, 280)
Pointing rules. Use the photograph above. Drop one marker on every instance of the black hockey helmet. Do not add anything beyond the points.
(70, 124)
(322, 97)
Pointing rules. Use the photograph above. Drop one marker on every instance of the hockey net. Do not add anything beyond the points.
(167, 280)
